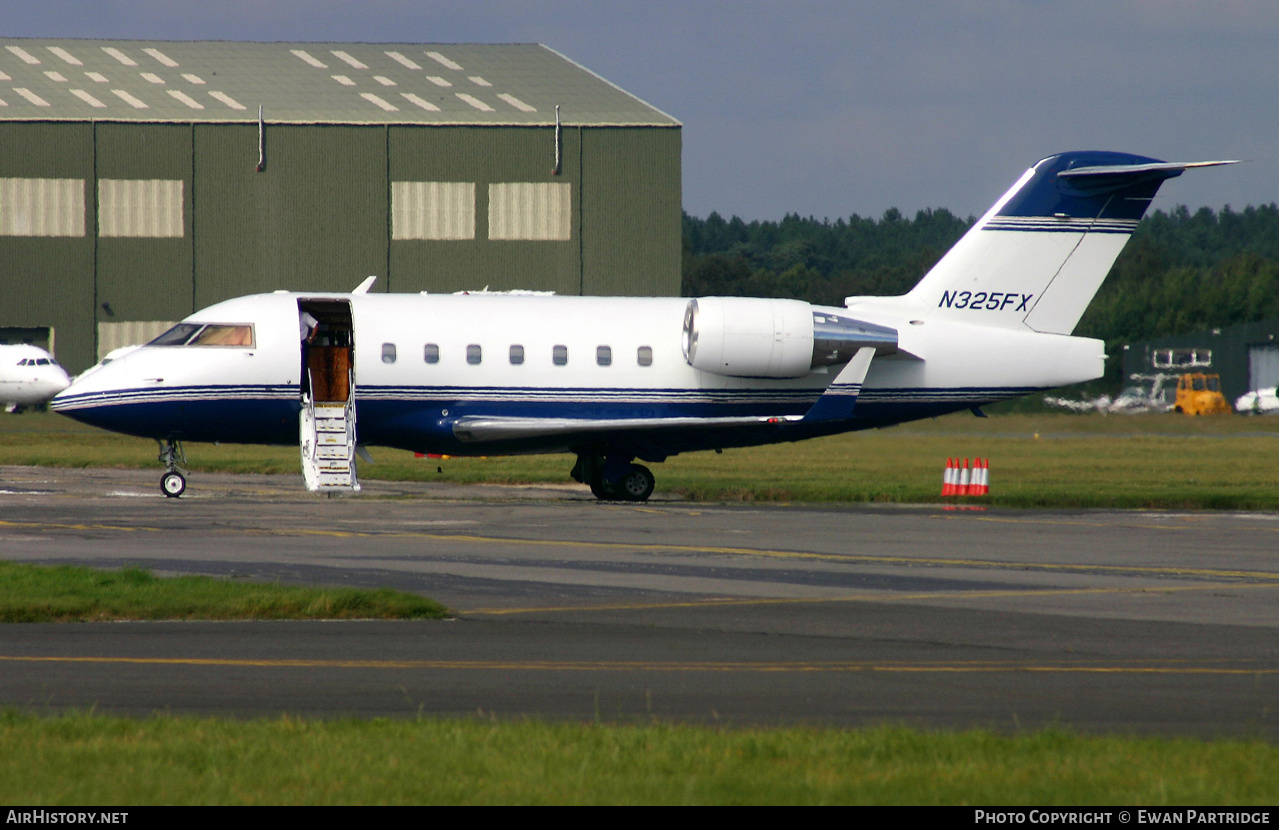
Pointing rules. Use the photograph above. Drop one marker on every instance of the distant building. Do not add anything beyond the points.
(138, 184)
(1246, 356)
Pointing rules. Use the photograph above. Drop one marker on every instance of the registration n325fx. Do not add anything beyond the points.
(614, 380)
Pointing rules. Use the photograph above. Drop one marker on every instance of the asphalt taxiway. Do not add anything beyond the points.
(1124, 621)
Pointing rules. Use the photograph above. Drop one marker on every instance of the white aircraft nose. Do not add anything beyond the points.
(58, 386)
(58, 382)
(78, 393)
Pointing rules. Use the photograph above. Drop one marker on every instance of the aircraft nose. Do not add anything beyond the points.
(60, 381)
(57, 397)
(90, 396)
(66, 389)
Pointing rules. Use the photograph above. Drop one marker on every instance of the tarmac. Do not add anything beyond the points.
(741, 614)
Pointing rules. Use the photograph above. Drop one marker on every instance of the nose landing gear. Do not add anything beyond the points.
(173, 483)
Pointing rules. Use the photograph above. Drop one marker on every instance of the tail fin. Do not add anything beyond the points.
(1038, 256)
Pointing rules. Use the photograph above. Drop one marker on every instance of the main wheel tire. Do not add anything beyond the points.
(637, 483)
(602, 491)
(173, 485)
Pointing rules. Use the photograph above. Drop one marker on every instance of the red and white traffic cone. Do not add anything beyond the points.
(948, 479)
(965, 480)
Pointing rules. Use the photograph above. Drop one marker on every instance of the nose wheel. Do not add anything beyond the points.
(172, 456)
(173, 484)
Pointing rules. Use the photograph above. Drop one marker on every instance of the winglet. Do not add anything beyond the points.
(840, 397)
(363, 288)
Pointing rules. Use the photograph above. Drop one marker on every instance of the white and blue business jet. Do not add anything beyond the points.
(613, 380)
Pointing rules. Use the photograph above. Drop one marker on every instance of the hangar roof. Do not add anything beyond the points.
(307, 83)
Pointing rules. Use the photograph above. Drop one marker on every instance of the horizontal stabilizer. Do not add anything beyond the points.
(1167, 168)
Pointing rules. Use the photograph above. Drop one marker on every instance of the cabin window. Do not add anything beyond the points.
(473, 354)
(604, 355)
(388, 352)
(431, 354)
(559, 355)
(645, 356)
(206, 334)
(517, 355)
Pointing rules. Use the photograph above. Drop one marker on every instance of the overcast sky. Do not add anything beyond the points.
(832, 108)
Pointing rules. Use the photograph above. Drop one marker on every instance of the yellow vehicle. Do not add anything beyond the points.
(1200, 394)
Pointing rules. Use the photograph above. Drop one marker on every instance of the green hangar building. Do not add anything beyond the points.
(1245, 355)
(142, 180)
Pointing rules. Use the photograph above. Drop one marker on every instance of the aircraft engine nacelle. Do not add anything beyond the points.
(746, 337)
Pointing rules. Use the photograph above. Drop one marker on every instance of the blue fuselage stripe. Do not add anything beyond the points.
(421, 418)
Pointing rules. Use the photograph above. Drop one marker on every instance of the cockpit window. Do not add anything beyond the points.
(206, 334)
(176, 336)
(218, 335)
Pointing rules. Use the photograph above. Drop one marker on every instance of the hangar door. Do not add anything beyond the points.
(1263, 366)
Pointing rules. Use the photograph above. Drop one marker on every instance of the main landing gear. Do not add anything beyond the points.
(173, 483)
(614, 478)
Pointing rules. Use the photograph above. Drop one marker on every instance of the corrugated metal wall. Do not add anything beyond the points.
(177, 216)
(314, 219)
(485, 156)
(631, 201)
(142, 275)
(48, 281)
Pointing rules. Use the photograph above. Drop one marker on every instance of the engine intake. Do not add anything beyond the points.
(746, 337)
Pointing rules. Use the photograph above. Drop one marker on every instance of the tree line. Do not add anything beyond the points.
(1181, 272)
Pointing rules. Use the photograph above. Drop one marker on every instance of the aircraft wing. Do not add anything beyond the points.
(477, 428)
(837, 402)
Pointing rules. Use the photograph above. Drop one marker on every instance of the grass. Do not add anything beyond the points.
(64, 593)
(92, 759)
(1054, 460)
(1037, 460)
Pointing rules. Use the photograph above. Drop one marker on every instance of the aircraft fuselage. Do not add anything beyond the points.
(424, 361)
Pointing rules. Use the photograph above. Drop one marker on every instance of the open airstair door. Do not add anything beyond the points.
(327, 420)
